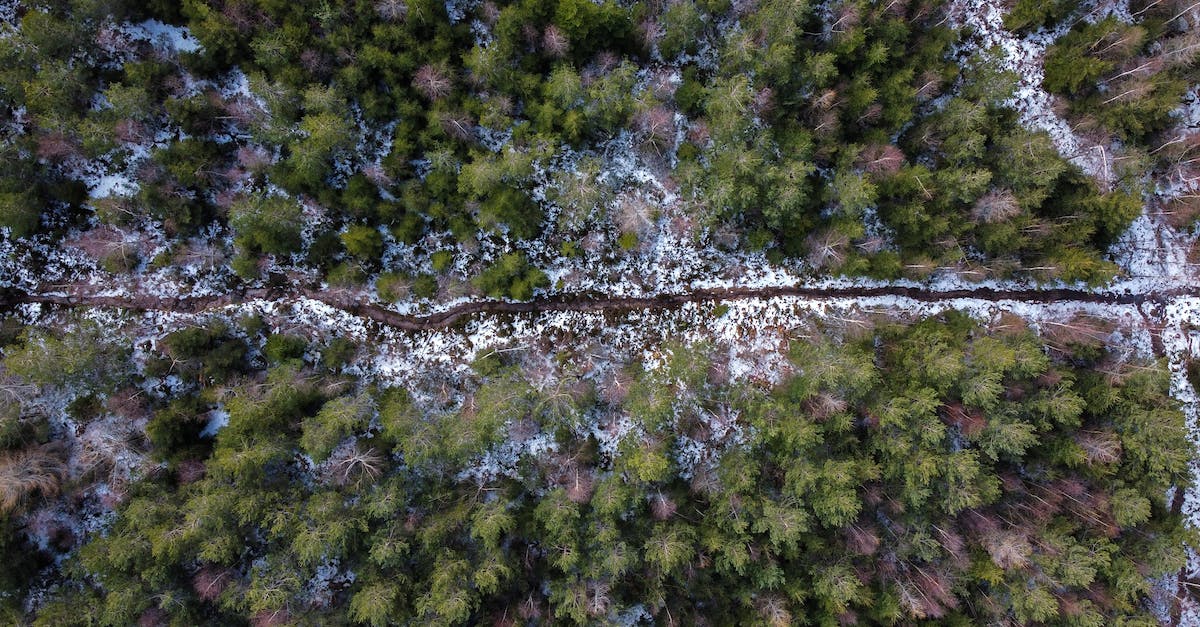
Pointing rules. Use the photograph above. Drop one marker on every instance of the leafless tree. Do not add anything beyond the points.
(490, 12)
(211, 581)
(353, 465)
(662, 507)
(997, 205)
(1083, 330)
(129, 131)
(861, 540)
(1118, 44)
(54, 146)
(153, 617)
(774, 610)
(271, 618)
(824, 405)
(392, 10)
(1100, 447)
(1008, 549)
(827, 248)
(634, 214)
(599, 598)
(845, 18)
(970, 423)
(190, 471)
(458, 125)
(1129, 89)
(580, 486)
(555, 42)
(433, 82)
(243, 15)
(881, 159)
(657, 126)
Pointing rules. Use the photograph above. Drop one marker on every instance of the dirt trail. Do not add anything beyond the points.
(573, 302)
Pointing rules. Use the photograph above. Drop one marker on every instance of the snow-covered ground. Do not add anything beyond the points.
(1181, 343)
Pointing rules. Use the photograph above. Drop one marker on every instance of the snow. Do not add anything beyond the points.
(326, 580)
(113, 185)
(217, 418)
(8, 11)
(173, 38)
(1154, 258)
(1181, 344)
(457, 10)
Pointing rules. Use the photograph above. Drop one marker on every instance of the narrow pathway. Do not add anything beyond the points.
(571, 302)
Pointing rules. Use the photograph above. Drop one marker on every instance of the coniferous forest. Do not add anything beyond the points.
(632, 312)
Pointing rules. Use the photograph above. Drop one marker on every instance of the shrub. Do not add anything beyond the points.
(363, 242)
(511, 276)
(280, 348)
(267, 223)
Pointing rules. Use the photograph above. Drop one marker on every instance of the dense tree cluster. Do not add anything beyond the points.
(841, 132)
(933, 471)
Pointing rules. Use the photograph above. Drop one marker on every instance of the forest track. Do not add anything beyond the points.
(342, 300)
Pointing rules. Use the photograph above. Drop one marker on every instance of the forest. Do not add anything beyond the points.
(937, 470)
(600, 312)
(422, 150)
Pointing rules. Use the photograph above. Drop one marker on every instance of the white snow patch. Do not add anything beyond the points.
(116, 184)
(165, 36)
(217, 419)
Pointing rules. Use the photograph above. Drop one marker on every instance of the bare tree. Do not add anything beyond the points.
(827, 248)
(433, 82)
(458, 125)
(353, 465)
(662, 507)
(580, 486)
(1100, 447)
(555, 42)
(211, 581)
(881, 159)
(861, 540)
(657, 126)
(773, 610)
(634, 214)
(1008, 549)
(998, 205)
(55, 146)
(392, 10)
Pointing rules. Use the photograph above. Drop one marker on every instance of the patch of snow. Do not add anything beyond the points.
(217, 419)
(165, 36)
(1154, 257)
(8, 11)
(1188, 111)
(1181, 343)
(457, 10)
(117, 184)
(328, 579)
